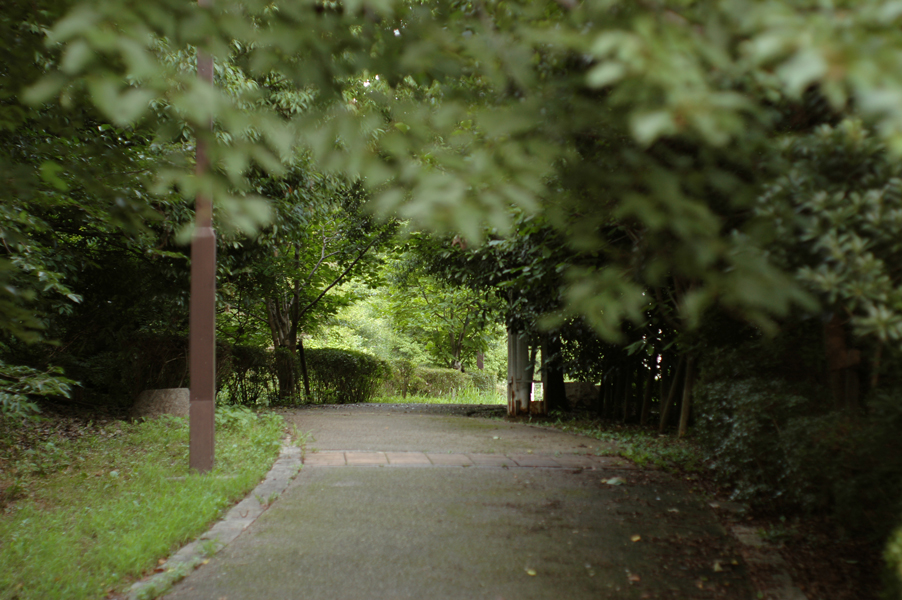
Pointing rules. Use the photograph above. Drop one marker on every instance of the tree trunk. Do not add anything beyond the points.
(555, 394)
(629, 377)
(646, 393)
(617, 388)
(531, 365)
(687, 395)
(278, 312)
(664, 381)
(607, 384)
(665, 408)
(286, 373)
(842, 365)
(303, 360)
(519, 390)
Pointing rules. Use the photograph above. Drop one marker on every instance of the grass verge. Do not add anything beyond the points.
(85, 517)
(471, 398)
(642, 445)
(465, 396)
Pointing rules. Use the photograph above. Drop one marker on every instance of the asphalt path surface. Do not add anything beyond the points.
(415, 502)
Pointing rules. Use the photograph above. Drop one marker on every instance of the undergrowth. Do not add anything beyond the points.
(642, 445)
(84, 516)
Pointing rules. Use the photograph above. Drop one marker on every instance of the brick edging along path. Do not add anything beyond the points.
(341, 458)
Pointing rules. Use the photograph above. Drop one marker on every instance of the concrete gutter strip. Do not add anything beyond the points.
(239, 518)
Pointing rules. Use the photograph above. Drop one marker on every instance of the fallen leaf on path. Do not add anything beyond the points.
(615, 481)
(531, 572)
(635, 538)
(717, 567)
(633, 578)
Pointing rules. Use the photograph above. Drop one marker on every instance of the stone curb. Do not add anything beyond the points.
(239, 517)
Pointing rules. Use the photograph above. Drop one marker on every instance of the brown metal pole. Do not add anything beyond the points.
(202, 321)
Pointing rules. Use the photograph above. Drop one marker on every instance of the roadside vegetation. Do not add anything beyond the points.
(88, 508)
(642, 445)
(466, 396)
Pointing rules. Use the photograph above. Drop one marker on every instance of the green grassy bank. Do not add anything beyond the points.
(85, 515)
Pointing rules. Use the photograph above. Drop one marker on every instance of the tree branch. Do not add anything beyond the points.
(340, 277)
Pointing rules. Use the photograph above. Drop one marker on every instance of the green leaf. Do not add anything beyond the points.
(77, 56)
(42, 91)
(605, 74)
(649, 126)
(50, 171)
(806, 67)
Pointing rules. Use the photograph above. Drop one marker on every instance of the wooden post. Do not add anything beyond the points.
(202, 309)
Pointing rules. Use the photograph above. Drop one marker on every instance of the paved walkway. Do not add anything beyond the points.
(394, 504)
(338, 458)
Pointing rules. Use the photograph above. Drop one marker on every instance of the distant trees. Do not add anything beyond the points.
(284, 280)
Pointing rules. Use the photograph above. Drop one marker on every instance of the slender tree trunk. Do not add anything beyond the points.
(630, 377)
(531, 365)
(610, 378)
(664, 382)
(842, 365)
(518, 390)
(302, 358)
(665, 409)
(278, 312)
(553, 373)
(687, 395)
(646, 392)
(616, 391)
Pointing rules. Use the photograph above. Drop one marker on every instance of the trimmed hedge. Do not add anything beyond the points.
(430, 381)
(434, 381)
(344, 376)
(251, 379)
(483, 381)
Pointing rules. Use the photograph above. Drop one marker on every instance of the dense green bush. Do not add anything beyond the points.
(780, 442)
(250, 379)
(754, 429)
(482, 380)
(407, 379)
(343, 376)
(434, 381)
(892, 585)
(402, 379)
(114, 374)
